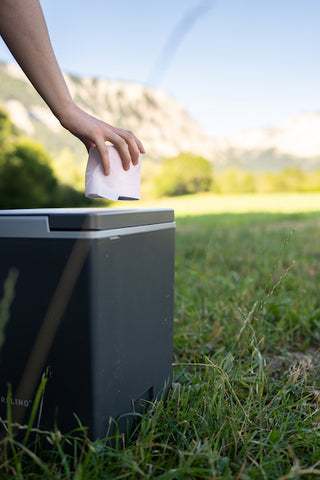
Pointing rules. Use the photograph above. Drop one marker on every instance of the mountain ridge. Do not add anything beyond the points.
(163, 125)
(161, 122)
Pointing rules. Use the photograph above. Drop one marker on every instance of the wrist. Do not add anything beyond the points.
(66, 112)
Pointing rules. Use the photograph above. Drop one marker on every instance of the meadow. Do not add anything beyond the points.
(246, 394)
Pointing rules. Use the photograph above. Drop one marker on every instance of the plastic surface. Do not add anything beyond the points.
(111, 346)
(82, 219)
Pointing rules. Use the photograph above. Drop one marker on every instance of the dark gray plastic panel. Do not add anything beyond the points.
(86, 219)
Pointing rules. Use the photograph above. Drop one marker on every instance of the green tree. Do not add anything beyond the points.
(7, 131)
(26, 178)
(184, 174)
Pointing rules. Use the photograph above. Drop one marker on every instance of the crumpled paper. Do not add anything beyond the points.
(120, 184)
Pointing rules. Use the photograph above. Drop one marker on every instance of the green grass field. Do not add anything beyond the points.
(205, 203)
(245, 403)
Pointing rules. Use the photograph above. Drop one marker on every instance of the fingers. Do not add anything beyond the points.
(141, 147)
(128, 146)
(124, 152)
(132, 147)
(104, 155)
(92, 131)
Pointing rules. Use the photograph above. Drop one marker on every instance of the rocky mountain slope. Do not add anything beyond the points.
(164, 126)
(294, 143)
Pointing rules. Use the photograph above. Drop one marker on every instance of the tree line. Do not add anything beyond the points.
(30, 179)
(188, 173)
(27, 179)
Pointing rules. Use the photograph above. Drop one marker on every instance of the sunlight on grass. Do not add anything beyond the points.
(205, 203)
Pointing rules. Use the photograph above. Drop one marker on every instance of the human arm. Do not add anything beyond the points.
(23, 28)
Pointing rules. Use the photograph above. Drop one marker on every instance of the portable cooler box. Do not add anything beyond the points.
(93, 307)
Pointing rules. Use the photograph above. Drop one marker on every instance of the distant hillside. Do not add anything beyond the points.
(295, 143)
(163, 125)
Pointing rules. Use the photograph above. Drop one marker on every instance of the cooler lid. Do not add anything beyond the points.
(88, 219)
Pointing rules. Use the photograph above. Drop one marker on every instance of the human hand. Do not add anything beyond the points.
(92, 131)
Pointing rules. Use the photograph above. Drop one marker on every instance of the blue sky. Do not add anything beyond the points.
(244, 64)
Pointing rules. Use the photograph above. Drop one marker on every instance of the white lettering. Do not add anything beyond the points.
(19, 402)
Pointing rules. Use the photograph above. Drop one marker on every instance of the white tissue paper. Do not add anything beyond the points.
(120, 184)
